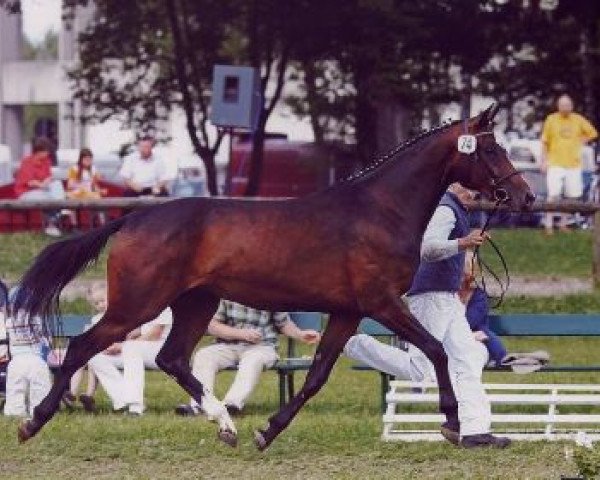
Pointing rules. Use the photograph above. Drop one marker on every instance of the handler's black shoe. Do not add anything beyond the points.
(450, 434)
(484, 440)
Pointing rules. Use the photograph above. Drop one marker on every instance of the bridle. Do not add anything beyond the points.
(500, 194)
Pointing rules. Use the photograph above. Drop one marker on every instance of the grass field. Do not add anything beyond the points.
(530, 252)
(336, 435)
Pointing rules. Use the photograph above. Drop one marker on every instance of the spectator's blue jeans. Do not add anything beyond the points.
(54, 191)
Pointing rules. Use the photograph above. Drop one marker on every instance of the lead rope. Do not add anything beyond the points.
(484, 267)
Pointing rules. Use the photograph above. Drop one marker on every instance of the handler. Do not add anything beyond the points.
(434, 300)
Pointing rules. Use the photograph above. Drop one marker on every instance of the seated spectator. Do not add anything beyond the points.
(97, 298)
(28, 375)
(477, 311)
(82, 183)
(82, 179)
(138, 352)
(33, 181)
(144, 172)
(3, 339)
(247, 338)
(3, 314)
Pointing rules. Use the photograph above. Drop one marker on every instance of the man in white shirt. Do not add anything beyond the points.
(144, 172)
(137, 353)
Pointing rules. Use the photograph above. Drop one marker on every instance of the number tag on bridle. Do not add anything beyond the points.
(467, 144)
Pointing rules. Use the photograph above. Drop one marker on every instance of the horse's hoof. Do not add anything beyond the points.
(24, 432)
(228, 437)
(260, 441)
(450, 434)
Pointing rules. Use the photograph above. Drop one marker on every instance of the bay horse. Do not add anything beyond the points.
(350, 251)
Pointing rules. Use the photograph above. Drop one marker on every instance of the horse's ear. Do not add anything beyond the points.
(488, 115)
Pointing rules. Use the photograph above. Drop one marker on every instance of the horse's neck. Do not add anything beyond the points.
(412, 186)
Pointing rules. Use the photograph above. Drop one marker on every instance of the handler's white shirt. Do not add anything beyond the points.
(145, 173)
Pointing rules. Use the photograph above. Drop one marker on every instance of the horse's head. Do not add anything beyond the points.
(481, 164)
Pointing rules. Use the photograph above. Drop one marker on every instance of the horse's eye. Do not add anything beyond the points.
(490, 151)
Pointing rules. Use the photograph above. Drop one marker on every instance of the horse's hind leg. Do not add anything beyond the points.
(336, 334)
(192, 311)
(109, 329)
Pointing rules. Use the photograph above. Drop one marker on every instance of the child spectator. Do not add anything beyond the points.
(28, 375)
(82, 179)
(97, 298)
(82, 183)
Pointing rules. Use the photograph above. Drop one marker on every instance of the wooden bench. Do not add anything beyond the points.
(512, 397)
(286, 368)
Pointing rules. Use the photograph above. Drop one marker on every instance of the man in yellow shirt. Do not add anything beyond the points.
(563, 137)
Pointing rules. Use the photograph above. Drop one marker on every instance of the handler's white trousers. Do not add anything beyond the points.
(250, 359)
(27, 383)
(443, 315)
(127, 389)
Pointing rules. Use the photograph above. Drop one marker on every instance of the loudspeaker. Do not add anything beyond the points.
(236, 98)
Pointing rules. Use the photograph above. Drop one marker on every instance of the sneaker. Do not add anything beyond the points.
(68, 400)
(233, 410)
(89, 404)
(186, 410)
(52, 231)
(484, 440)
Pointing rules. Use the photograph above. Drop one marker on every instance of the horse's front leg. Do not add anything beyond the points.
(336, 334)
(109, 329)
(192, 312)
(397, 317)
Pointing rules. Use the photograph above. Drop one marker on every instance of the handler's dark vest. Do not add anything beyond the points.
(445, 275)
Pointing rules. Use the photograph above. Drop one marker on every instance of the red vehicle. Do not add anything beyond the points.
(290, 169)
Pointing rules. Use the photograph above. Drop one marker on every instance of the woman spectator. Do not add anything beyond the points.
(33, 181)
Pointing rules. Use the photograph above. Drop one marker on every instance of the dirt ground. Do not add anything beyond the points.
(534, 286)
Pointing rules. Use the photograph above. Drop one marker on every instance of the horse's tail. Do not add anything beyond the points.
(39, 289)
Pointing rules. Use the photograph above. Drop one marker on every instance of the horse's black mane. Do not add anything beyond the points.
(379, 161)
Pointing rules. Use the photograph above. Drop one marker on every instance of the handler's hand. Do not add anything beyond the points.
(114, 349)
(250, 335)
(310, 336)
(472, 240)
(480, 336)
